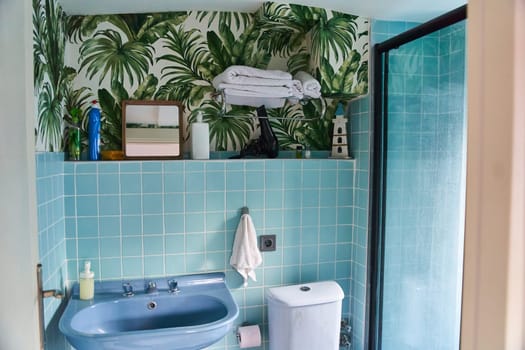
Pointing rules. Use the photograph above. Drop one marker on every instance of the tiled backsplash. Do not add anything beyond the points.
(139, 219)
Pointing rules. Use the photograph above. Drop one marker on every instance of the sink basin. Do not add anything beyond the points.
(200, 314)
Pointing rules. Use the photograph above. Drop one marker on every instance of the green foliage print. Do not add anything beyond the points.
(175, 56)
(51, 76)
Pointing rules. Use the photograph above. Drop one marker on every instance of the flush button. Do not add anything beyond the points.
(305, 288)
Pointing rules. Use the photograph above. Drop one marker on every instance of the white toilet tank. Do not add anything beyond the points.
(305, 316)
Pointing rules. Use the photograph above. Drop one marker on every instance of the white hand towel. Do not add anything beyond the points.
(245, 254)
(247, 71)
(311, 87)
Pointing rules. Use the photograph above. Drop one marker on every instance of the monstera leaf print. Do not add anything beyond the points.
(287, 125)
(106, 53)
(228, 130)
(318, 130)
(241, 20)
(350, 77)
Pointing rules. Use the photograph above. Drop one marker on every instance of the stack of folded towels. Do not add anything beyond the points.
(249, 86)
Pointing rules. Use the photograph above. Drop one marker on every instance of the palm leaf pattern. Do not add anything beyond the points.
(230, 130)
(107, 53)
(289, 128)
(240, 19)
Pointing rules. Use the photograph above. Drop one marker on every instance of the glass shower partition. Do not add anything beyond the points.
(419, 187)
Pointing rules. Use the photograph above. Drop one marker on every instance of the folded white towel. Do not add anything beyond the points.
(244, 75)
(261, 91)
(245, 254)
(311, 87)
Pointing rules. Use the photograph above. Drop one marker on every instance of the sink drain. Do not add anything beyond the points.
(152, 305)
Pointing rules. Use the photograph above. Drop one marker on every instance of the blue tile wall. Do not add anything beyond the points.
(51, 228)
(425, 193)
(139, 219)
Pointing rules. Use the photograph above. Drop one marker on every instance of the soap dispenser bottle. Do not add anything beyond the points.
(87, 282)
(200, 139)
(94, 131)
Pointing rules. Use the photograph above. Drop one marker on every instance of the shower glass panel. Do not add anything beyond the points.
(423, 166)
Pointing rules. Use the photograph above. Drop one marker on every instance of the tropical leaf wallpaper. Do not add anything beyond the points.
(175, 56)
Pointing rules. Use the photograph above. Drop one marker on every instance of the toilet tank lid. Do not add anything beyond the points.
(306, 294)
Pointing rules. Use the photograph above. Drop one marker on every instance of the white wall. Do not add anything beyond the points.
(18, 234)
(493, 292)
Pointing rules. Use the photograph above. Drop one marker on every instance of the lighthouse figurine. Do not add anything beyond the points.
(339, 139)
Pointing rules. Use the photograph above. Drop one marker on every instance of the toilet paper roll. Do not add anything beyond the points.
(249, 336)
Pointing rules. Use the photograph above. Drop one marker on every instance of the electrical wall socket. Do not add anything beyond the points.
(267, 243)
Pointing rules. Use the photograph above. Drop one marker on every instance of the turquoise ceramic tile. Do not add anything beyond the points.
(344, 251)
(194, 202)
(87, 227)
(291, 255)
(85, 168)
(109, 205)
(327, 271)
(194, 166)
(255, 199)
(153, 245)
(215, 222)
(110, 268)
(108, 184)
(108, 167)
(131, 204)
(311, 179)
(255, 165)
(309, 273)
(272, 276)
(132, 268)
(310, 217)
(173, 166)
(152, 183)
(292, 218)
(173, 203)
(130, 167)
(131, 225)
(274, 180)
(152, 167)
(326, 252)
(195, 182)
(69, 184)
(194, 223)
(132, 246)
(215, 241)
(195, 263)
(215, 201)
(86, 184)
(153, 224)
(273, 218)
(254, 180)
(292, 198)
(292, 179)
(274, 199)
(195, 243)
(309, 235)
(174, 223)
(327, 216)
(88, 248)
(309, 254)
(109, 226)
(310, 198)
(110, 247)
(70, 227)
(174, 182)
(174, 244)
(152, 204)
(70, 206)
(291, 237)
(215, 261)
(175, 264)
(71, 248)
(235, 181)
(235, 200)
(215, 181)
(130, 183)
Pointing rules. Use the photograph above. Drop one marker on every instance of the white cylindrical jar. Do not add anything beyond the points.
(200, 139)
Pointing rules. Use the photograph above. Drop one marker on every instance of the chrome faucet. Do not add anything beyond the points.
(128, 290)
(173, 287)
(151, 287)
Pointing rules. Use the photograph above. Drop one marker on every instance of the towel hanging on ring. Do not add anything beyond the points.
(245, 254)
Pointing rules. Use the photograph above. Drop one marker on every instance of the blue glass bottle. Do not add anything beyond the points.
(94, 132)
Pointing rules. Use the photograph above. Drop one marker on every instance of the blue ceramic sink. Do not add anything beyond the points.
(200, 314)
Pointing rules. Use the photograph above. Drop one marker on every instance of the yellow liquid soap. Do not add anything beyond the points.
(87, 282)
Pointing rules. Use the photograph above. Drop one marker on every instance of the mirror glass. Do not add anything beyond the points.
(152, 129)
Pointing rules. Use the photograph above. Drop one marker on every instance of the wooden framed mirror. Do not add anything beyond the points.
(152, 129)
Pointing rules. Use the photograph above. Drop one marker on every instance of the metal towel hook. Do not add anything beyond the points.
(245, 210)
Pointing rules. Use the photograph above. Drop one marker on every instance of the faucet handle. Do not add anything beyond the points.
(173, 286)
(128, 290)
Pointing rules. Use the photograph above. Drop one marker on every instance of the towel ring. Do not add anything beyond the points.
(220, 96)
